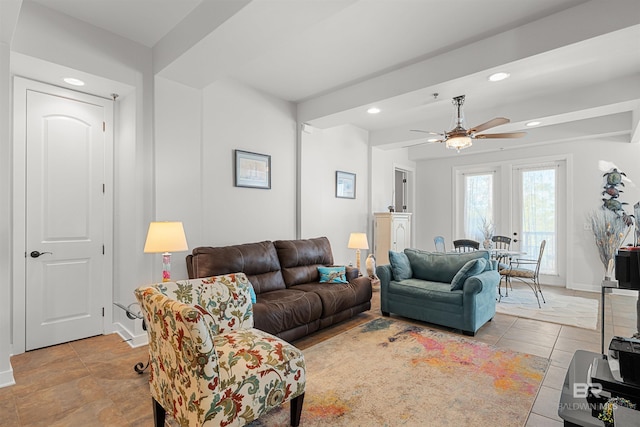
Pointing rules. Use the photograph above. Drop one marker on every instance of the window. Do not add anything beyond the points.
(478, 204)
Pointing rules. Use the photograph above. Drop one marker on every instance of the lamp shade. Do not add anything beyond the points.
(358, 241)
(166, 236)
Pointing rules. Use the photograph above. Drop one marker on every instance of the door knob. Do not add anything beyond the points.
(36, 254)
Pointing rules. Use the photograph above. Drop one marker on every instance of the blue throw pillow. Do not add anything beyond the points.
(252, 292)
(333, 274)
(471, 268)
(400, 266)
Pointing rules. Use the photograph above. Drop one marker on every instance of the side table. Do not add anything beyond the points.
(139, 367)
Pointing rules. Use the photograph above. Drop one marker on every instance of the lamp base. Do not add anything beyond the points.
(166, 267)
(358, 262)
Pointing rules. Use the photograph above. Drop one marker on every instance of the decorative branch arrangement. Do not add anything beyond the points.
(610, 224)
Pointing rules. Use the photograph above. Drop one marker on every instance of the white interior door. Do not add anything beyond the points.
(65, 219)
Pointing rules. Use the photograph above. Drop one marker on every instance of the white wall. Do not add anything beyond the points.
(196, 133)
(435, 200)
(323, 152)
(178, 172)
(237, 117)
(6, 375)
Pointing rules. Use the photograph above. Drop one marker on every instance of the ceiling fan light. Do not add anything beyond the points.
(458, 142)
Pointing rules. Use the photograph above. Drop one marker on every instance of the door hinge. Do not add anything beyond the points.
(103, 188)
(102, 249)
(102, 311)
(104, 126)
(404, 180)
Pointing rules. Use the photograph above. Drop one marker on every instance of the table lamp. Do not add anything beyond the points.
(358, 241)
(165, 237)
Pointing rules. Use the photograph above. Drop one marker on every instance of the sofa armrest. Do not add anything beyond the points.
(487, 281)
(352, 273)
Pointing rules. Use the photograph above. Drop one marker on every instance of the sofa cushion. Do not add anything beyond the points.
(400, 266)
(471, 268)
(438, 266)
(422, 290)
(300, 259)
(332, 275)
(340, 296)
(282, 310)
(259, 261)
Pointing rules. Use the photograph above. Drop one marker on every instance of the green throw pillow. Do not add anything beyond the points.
(333, 274)
(471, 268)
(400, 266)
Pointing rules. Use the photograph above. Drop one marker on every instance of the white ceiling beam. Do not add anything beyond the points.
(553, 32)
(202, 21)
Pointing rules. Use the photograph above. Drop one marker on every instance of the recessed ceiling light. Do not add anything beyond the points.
(496, 77)
(74, 82)
(373, 110)
(531, 124)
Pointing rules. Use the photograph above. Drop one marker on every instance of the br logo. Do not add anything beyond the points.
(581, 390)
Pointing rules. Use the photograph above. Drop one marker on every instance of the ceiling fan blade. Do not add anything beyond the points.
(490, 124)
(501, 135)
(426, 131)
(423, 143)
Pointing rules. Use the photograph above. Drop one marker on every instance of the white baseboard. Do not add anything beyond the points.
(131, 339)
(6, 378)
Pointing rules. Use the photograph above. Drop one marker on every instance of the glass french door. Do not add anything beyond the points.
(538, 213)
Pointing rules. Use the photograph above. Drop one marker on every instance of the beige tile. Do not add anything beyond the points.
(537, 326)
(525, 347)
(536, 420)
(579, 333)
(547, 402)
(571, 345)
(533, 337)
(560, 358)
(554, 377)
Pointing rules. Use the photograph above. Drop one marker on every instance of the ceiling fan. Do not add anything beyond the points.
(459, 138)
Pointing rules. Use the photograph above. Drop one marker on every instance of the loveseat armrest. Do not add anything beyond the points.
(487, 281)
(385, 275)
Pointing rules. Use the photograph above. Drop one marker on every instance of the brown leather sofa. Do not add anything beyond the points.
(291, 303)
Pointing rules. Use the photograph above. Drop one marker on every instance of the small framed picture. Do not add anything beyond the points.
(345, 185)
(252, 170)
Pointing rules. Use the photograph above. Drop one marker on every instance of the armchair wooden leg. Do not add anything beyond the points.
(296, 410)
(159, 414)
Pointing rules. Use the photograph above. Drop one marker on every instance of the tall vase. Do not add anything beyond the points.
(487, 243)
(608, 274)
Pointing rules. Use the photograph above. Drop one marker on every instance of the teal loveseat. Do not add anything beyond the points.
(457, 290)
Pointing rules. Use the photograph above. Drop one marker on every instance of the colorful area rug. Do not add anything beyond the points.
(565, 310)
(391, 373)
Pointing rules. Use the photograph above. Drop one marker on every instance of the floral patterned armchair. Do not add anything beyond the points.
(209, 366)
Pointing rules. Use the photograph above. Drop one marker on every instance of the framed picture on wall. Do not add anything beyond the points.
(252, 170)
(345, 185)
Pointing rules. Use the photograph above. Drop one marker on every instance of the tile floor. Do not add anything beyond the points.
(91, 382)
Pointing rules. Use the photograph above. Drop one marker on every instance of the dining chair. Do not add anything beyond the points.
(466, 245)
(439, 242)
(501, 243)
(531, 277)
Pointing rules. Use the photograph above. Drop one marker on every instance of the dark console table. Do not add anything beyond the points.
(573, 407)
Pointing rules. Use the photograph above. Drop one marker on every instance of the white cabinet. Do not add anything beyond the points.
(391, 231)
